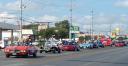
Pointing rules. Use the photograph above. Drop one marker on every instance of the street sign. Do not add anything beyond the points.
(74, 29)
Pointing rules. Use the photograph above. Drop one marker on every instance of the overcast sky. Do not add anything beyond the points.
(106, 12)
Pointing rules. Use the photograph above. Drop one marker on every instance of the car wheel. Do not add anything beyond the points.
(53, 51)
(78, 49)
(59, 51)
(46, 51)
(41, 51)
(34, 55)
(7, 55)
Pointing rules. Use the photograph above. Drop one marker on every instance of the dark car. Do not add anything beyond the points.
(99, 44)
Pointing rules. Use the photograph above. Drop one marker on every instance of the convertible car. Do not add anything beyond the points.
(21, 50)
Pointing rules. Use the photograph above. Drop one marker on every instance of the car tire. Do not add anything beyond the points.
(41, 51)
(59, 51)
(34, 55)
(78, 49)
(7, 55)
(54, 51)
(46, 51)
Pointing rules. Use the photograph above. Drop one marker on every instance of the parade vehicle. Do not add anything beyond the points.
(70, 46)
(52, 45)
(99, 44)
(21, 50)
(119, 42)
(106, 41)
(87, 45)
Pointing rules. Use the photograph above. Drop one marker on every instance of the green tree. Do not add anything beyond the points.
(48, 33)
(87, 38)
(81, 39)
(63, 28)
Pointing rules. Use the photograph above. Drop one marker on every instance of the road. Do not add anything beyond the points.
(94, 57)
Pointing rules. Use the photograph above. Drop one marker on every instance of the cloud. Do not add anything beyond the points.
(48, 18)
(27, 5)
(122, 3)
(8, 18)
(6, 15)
(45, 18)
(102, 23)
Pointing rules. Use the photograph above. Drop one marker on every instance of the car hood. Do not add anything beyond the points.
(17, 47)
(22, 47)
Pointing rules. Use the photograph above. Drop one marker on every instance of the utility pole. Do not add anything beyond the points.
(21, 17)
(70, 33)
(110, 28)
(92, 25)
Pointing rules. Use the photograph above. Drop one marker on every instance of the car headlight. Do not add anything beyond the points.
(7, 50)
(22, 51)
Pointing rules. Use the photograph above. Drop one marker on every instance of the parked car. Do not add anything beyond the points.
(20, 50)
(70, 46)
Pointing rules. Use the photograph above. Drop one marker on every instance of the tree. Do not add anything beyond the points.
(87, 37)
(81, 39)
(30, 26)
(48, 33)
(63, 28)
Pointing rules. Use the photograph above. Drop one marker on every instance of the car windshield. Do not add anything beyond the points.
(72, 43)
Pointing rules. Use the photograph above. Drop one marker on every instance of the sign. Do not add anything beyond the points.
(74, 29)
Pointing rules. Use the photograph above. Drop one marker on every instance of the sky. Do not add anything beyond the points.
(106, 13)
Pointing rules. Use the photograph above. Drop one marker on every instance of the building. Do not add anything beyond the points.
(6, 33)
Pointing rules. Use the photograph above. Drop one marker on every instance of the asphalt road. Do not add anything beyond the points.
(94, 57)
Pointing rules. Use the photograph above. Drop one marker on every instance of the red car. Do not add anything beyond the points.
(119, 44)
(106, 41)
(70, 46)
(20, 51)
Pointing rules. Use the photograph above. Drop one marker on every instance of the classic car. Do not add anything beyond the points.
(21, 50)
(70, 46)
(52, 46)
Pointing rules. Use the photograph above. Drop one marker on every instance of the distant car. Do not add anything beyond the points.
(82, 45)
(70, 46)
(20, 50)
(99, 44)
(89, 45)
(119, 44)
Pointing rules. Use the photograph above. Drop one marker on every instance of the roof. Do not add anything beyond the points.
(27, 31)
(8, 26)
